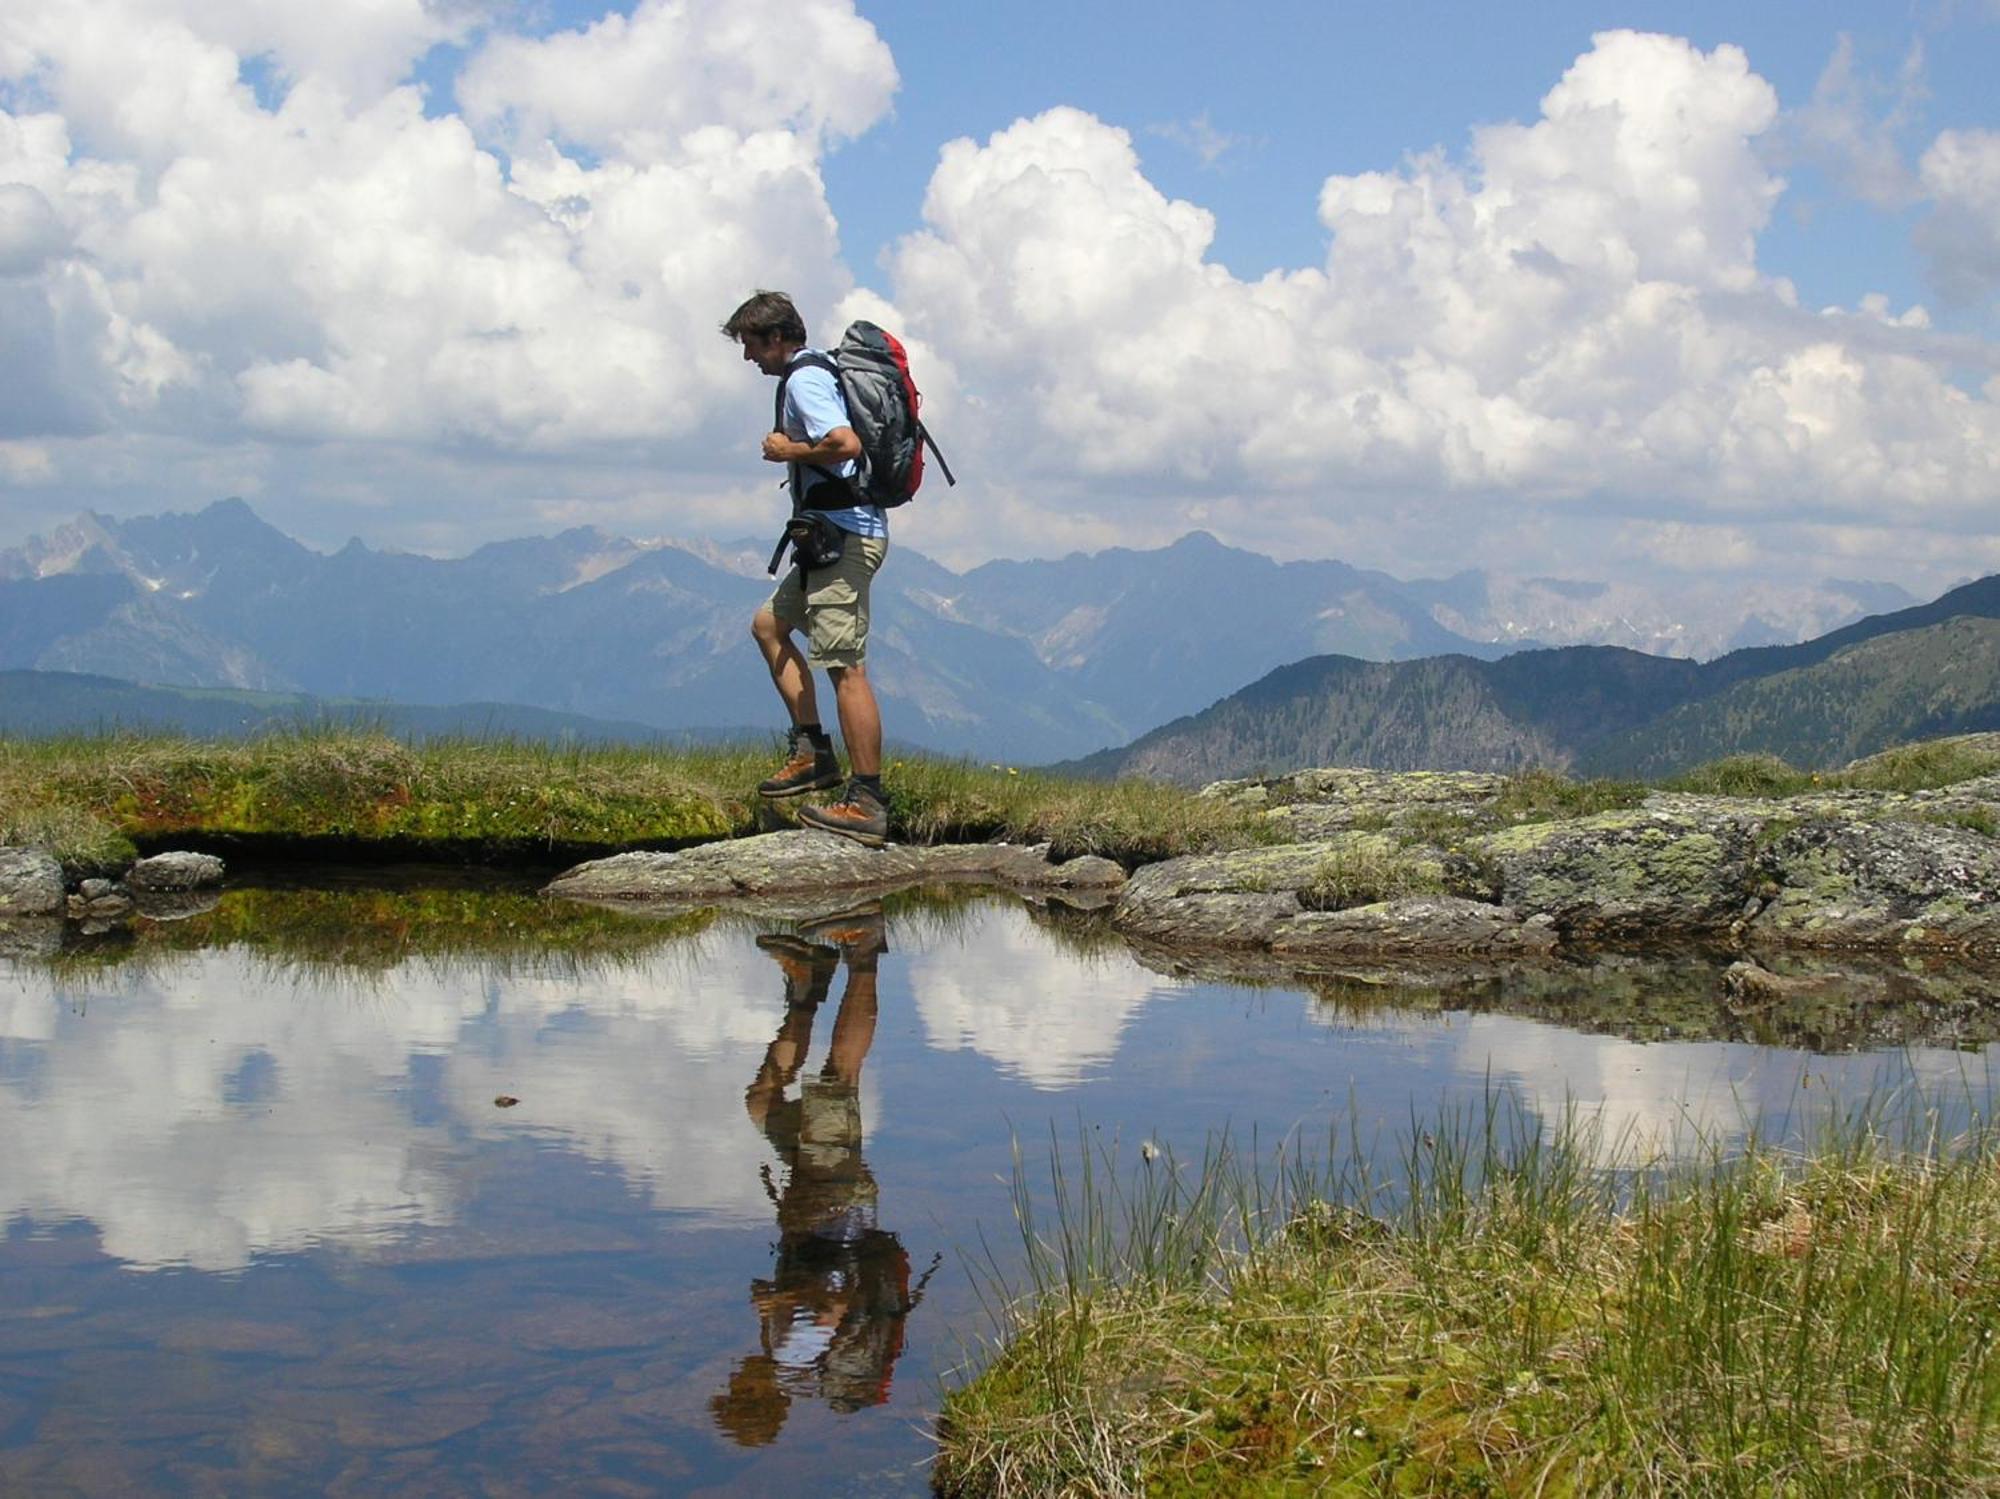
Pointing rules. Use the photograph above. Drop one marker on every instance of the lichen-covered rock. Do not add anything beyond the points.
(794, 863)
(173, 872)
(31, 883)
(1653, 871)
(1312, 804)
(1232, 899)
(1904, 884)
(1419, 926)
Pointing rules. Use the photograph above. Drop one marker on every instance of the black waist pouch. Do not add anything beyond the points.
(816, 542)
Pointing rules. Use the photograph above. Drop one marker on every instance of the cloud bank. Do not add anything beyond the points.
(242, 250)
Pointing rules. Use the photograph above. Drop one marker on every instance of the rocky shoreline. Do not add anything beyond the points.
(1378, 867)
(1358, 868)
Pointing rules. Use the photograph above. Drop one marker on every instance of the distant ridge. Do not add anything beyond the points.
(46, 704)
(1914, 673)
(1021, 661)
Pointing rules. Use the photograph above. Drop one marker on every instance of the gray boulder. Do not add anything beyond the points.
(1235, 899)
(174, 872)
(1662, 869)
(1900, 884)
(31, 883)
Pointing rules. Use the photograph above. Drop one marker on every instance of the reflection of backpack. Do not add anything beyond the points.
(882, 403)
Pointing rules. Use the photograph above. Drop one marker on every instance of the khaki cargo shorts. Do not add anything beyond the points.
(833, 610)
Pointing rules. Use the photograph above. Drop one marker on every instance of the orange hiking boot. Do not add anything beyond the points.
(805, 769)
(859, 815)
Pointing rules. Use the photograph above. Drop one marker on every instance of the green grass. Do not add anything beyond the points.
(1365, 868)
(90, 799)
(1928, 766)
(1546, 1312)
(1547, 796)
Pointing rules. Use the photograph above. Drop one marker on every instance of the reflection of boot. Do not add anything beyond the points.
(809, 967)
(752, 1409)
(860, 935)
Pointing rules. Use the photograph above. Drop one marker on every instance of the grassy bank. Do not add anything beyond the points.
(90, 799)
(1543, 1315)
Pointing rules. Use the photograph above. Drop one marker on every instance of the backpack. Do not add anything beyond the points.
(873, 373)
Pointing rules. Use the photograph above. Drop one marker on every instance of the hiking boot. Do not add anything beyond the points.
(859, 815)
(805, 769)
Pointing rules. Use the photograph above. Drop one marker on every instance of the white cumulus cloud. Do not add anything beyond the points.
(1961, 175)
(337, 263)
(1573, 317)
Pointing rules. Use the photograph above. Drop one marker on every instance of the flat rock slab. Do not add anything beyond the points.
(804, 862)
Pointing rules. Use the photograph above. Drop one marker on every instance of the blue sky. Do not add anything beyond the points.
(1295, 92)
(1604, 289)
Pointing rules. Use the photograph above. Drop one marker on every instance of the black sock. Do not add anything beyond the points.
(872, 784)
(822, 742)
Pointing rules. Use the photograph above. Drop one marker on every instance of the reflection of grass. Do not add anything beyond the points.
(375, 930)
(1538, 1312)
(85, 798)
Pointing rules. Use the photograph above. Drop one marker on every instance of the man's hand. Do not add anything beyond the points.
(837, 446)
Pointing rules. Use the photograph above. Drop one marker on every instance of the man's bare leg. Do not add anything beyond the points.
(860, 718)
(789, 672)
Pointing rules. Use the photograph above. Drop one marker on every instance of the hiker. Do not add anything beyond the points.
(838, 542)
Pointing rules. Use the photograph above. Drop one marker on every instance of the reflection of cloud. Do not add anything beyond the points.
(1673, 1094)
(1006, 991)
(204, 1112)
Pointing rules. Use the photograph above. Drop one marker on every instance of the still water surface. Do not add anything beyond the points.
(268, 1228)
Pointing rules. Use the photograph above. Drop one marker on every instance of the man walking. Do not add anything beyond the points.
(828, 601)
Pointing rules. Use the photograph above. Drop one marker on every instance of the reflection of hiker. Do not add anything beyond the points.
(838, 541)
(830, 1317)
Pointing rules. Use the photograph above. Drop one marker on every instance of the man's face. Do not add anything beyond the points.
(767, 351)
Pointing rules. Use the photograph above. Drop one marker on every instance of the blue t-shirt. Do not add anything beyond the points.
(813, 408)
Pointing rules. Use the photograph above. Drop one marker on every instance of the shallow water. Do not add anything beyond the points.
(269, 1228)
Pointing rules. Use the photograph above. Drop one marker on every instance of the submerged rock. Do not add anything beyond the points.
(1421, 926)
(30, 936)
(31, 883)
(800, 863)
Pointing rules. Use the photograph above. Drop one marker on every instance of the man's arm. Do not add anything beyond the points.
(837, 446)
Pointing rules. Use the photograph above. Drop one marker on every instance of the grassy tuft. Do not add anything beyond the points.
(1743, 775)
(1540, 1311)
(1926, 766)
(84, 842)
(1547, 796)
(1364, 869)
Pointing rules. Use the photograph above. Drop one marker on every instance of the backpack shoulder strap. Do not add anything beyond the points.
(814, 361)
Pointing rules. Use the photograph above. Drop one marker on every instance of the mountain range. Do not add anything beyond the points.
(1025, 661)
(1915, 673)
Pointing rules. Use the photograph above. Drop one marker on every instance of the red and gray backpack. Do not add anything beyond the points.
(873, 372)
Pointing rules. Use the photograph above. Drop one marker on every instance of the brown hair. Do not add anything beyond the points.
(765, 314)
